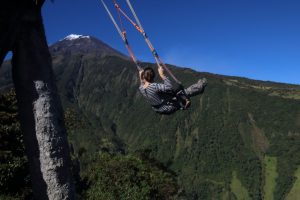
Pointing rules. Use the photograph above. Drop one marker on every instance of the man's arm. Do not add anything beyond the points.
(167, 85)
(161, 73)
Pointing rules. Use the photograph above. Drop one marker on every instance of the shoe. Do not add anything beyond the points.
(202, 81)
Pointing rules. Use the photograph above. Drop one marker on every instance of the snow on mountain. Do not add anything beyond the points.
(75, 36)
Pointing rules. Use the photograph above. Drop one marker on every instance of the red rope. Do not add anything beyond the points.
(157, 58)
(128, 18)
(124, 33)
(119, 15)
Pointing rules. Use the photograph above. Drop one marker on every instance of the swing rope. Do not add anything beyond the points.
(139, 28)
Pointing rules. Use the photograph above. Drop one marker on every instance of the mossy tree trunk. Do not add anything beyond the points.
(40, 111)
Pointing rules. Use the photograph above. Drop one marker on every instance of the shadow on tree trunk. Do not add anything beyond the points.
(40, 109)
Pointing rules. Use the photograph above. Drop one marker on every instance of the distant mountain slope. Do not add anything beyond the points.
(228, 140)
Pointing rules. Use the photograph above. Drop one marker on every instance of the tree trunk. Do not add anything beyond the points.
(40, 111)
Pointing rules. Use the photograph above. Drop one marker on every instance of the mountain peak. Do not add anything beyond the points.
(82, 44)
(75, 36)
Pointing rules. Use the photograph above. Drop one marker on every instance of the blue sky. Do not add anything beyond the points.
(258, 39)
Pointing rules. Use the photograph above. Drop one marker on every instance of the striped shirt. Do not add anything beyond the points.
(156, 94)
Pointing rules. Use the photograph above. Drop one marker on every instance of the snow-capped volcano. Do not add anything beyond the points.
(75, 36)
(83, 45)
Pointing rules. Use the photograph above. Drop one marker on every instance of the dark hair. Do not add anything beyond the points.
(149, 74)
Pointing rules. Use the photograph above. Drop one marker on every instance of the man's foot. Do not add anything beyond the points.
(202, 83)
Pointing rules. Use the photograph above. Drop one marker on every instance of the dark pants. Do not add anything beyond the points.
(195, 89)
(172, 105)
(40, 111)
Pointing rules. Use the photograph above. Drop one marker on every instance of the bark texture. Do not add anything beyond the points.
(41, 114)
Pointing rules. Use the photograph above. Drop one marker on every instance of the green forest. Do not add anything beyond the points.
(239, 140)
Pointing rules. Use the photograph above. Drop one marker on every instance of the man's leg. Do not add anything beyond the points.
(40, 111)
(197, 88)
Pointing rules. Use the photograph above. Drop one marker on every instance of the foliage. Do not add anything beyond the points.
(230, 128)
(221, 133)
(238, 189)
(14, 172)
(270, 176)
(128, 177)
(294, 193)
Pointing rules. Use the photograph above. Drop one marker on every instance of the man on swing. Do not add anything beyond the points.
(163, 98)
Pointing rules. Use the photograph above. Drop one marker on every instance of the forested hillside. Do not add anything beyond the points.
(239, 140)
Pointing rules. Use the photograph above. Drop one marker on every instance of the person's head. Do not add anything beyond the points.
(149, 74)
